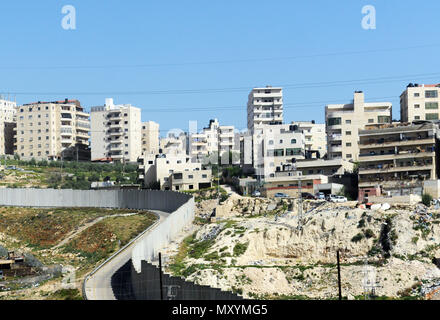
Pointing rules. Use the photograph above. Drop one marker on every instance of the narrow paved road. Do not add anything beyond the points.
(98, 286)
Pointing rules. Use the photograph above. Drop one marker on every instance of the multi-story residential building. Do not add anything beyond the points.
(265, 106)
(150, 137)
(8, 110)
(46, 129)
(343, 122)
(174, 144)
(214, 139)
(116, 132)
(172, 172)
(420, 102)
(396, 159)
(274, 146)
(315, 137)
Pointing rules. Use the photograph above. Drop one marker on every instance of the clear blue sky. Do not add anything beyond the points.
(132, 50)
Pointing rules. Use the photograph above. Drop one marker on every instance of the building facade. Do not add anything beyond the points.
(116, 132)
(264, 107)
(45, 129)
(276, 146)
(343, 122)
(150, 137)
(315, 137)
(172, 172)
(8, 111)
(397, 159)
(420, 102)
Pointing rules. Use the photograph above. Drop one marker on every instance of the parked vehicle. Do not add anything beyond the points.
(329, 197)
(281, 195)
(308, 196)
(338, 199)
(256, 193)
(320, 196)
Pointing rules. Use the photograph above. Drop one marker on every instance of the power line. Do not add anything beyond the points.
(213, 62)
(311, 85)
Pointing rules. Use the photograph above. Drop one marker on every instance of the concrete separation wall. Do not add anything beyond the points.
(140, 251)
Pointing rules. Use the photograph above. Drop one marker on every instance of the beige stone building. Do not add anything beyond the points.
(150, 137)
(116, 132)
(174, 144)
(343, 122)
(172, 172)
(396, 159)
(265, 106)
(8, 110)
(420, 102)
(45, 129)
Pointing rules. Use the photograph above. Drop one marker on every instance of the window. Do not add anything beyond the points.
(370, 120)
(383, 119)
(293, 152)
(348, 144)
(431, 105)
(204, 176)
(416, 94)
(310, 171)
(348, 155)
(431, 116)
(348, 133)
(348, 121)
(417, 117)
(191, 187)
(293, 141)
(416, 106)
(190, 176)
(334, 121)
(270, 142)
(281, 141)
(431, 94)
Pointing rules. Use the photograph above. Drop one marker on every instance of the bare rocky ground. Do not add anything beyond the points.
(257, 248)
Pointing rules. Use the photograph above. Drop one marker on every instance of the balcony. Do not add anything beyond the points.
(337, 148)
(392, 156)
(396, 142)
(390, 169)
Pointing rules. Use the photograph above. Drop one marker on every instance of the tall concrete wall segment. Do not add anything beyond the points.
(166, 201)
(129, 273)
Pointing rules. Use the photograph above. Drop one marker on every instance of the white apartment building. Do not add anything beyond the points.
(265, 106)
(315, 137)
(150, 137)
(343, 122)
(276, 146)
(173, 145)
(173, 172)
(212, 139)
(116, 132)
(8, 110)
(420, 102)
(46, 129)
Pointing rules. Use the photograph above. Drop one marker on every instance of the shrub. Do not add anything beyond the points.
(426, 199)
(240, 248)
(357, 237)
(369, 233)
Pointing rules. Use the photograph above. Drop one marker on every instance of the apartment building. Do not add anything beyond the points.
(116, 132)
(174, 144)
(275, 146)
(420, 102)
(172, 172)
(343, 122)
(150, 137)
(214, 139)
(8, 111)
(396, 159)
(46, 129)
(264, 107)
(315, 137)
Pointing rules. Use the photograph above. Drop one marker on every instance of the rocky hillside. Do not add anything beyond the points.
(257, 247)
